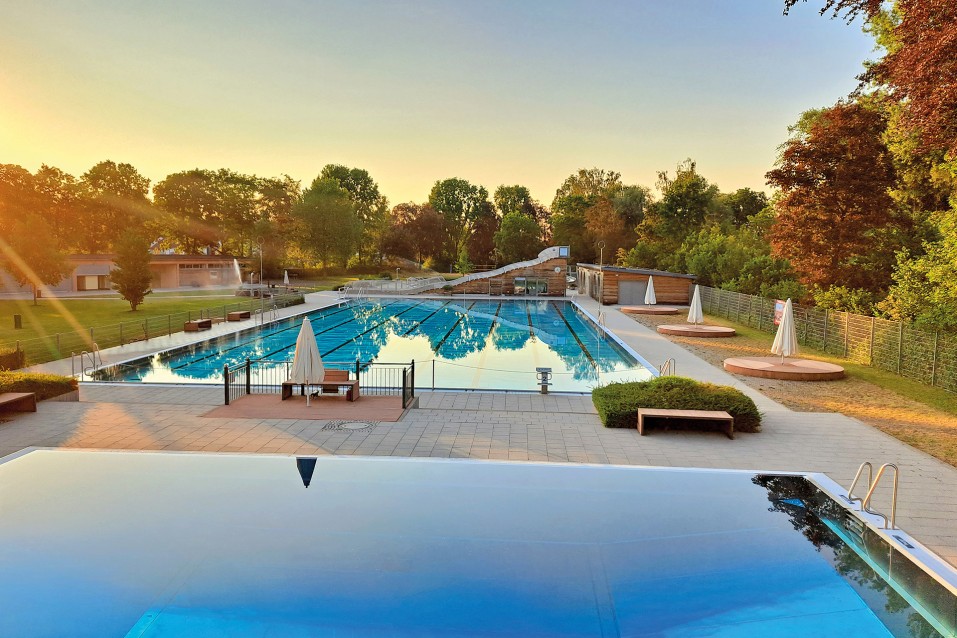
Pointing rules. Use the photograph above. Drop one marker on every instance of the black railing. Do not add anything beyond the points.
(375, 378)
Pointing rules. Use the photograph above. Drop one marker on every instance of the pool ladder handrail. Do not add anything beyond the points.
(872, 483)
(667, 368)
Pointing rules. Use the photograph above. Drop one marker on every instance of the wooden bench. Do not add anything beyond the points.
(198, 324)
(237, 315)
(333, 380)
(18, 401)
(646, 416)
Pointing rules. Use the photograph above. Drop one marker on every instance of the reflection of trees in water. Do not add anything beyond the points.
(467, 336)
(506, 337)
(805, 506)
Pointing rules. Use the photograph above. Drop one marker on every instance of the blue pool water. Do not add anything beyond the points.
(160, 544)
(490, 345)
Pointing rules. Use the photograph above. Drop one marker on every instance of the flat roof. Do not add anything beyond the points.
(637, 271)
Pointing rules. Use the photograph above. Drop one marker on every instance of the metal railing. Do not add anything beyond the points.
(266, 377)
(872, 482)
(61, 344)
(899, 347)
(412, 285)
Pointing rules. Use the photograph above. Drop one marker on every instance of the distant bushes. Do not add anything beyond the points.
(12, 359)
(618, 403)
(45, 386)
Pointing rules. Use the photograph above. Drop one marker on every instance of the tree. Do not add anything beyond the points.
(132, 276)
(589, 183)
(18, 197)
(29, 253)
(920, 65)
(603, 223)
(112, 199)
(518, 238)
(371, 206)
(514, 199)
(330, 227)
(462, 205)
(743, 204)
(837, 223)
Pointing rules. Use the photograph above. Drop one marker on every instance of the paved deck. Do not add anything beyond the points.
(324, 408)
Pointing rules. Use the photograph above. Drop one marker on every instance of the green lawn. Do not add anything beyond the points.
(56, 328)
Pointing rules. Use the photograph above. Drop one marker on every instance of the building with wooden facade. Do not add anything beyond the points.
(627, 286)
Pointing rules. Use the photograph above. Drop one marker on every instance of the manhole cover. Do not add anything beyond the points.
(350, 425)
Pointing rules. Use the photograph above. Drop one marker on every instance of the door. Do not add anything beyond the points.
(632, 293)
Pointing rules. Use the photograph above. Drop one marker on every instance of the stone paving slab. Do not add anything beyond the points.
(521, 428)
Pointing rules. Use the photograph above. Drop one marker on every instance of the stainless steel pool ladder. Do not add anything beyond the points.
(872, 482)
(96, 360)
(667, 368)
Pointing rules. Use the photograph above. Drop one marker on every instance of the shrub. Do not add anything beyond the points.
(44, 385)
(618, 403)
(12, 359)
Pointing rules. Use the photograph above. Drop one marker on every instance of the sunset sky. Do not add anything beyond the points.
(490, 91)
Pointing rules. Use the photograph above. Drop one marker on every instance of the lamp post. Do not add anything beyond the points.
(397, 279)
(601, 272)
(262, 302)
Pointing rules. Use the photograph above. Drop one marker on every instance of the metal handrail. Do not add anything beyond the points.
(667, 368)
(857, 477)
(867, 499)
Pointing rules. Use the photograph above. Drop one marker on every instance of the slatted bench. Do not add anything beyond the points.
(237, 315)
(18, 401)
(332, 382)
(198, 324)
(647, 416)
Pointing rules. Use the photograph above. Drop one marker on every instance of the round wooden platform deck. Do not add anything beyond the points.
(790, 370)
(649, 310)
(691, 330)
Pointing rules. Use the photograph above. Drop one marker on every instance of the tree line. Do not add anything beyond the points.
(862, 216)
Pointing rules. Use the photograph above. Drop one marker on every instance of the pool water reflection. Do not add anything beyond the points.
(461, 344)
(157, 544)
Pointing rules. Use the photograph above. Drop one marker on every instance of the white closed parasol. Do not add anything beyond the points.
(786, 341)
(695, 315)
(650, 292)
(307, 365)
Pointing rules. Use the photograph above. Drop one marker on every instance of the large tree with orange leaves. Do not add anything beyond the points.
(920, 65)
(836, 222)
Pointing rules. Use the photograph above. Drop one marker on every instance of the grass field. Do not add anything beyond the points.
(67, 315)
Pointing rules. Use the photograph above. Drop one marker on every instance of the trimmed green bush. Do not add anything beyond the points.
(44, 385)
(12, 359)
(618, 403)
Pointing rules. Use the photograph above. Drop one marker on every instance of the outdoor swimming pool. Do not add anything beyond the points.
(460, 344)
(148, 544)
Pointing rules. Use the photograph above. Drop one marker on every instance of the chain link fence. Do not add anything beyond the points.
(64, 344)
(925, 356)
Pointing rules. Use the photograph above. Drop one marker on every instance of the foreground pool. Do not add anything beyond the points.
(460, 344)
(163, 544)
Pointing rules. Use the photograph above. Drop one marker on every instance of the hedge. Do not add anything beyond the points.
(12, 359)
(44, 385)
(618, 403)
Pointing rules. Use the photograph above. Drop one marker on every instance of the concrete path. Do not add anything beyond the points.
(656, 349)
